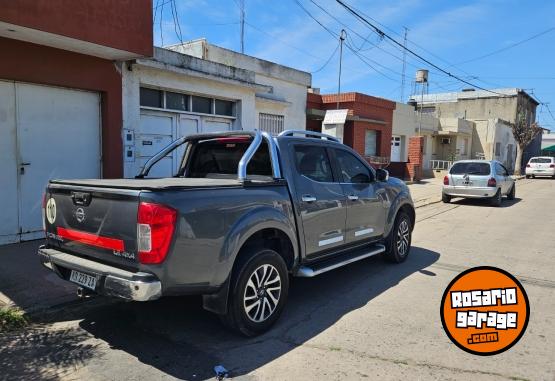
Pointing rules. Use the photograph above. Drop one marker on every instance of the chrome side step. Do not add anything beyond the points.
(330, 264)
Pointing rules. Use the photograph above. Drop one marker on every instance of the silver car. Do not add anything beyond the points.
(478, 179)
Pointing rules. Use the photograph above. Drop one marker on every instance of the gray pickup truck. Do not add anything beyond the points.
(244, 211)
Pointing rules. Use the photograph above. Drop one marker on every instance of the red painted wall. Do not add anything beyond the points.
(44, 65)
(120, 24)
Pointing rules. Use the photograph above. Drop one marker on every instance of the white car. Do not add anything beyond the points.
(540, 166)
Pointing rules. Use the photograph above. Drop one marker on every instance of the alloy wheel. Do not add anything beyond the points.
(262, 293)
(403, 238)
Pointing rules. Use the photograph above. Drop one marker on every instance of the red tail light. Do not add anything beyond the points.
(552, 166)
(446, 180)
(527, 165)
(492, 182)
(155, 227)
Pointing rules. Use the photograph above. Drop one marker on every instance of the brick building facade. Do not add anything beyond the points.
(366, 113)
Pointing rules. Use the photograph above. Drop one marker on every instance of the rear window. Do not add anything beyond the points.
(221, 157)
(543, 160)
(470, 169)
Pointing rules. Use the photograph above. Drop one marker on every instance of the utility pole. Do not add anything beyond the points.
(404, 66)
(242, 10)
(342, 37)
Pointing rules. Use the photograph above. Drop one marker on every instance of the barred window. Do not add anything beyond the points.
(271, 123)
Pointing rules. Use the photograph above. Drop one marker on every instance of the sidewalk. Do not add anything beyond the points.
(25, 283)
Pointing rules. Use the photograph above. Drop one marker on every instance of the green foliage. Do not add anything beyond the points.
(11, 318)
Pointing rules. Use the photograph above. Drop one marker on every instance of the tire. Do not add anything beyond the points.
(445, 198)
(528, 176)
(511, 194)
(398, 241)
(255, 303)
(496, 200)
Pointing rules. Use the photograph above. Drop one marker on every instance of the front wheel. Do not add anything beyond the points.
(398, 241)
(258, 294)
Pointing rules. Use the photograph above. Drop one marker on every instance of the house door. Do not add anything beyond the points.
(48, 133)
(395, 148)
(156, 131)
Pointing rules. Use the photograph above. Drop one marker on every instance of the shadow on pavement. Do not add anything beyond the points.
(176, 336)
(485, 202)
(37, 353)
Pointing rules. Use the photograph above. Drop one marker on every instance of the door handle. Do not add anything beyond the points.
(22, 167)
(353, 197)
(308, 198)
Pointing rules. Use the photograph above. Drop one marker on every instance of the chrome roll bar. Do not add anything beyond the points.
(310, 134)
(243, 163)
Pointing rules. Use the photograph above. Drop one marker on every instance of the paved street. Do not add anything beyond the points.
(370, 320)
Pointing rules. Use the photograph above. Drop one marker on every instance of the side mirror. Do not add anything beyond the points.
(382, 174)
(361, 178)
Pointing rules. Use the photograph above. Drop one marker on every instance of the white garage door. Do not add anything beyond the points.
(45, 133)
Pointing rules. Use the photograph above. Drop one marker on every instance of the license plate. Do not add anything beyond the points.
(83, 279)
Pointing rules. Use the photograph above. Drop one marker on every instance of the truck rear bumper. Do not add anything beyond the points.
(110, 280)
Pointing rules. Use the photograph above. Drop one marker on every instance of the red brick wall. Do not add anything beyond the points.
(364, 106)
(414, 165)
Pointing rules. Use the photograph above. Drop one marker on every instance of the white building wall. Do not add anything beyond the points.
(246, 116)
(289, 86)
(406, 122)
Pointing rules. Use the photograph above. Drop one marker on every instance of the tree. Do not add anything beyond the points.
(524, 134)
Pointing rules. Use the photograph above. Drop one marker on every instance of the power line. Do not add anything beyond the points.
(386, 36)
(470, 76)
(327, 62)
(508, 47)
(161, 19)
(364, 59)
(176, 24)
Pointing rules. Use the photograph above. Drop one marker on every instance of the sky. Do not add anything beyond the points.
(491, 44)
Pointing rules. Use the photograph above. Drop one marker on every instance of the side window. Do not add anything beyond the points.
(313, 162)
(351, 168)
(504, 170)
(500, 170)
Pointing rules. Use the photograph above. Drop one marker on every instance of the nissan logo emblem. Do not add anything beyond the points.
(80, 215)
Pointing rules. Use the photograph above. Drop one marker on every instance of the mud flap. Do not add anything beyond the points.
(217, 302)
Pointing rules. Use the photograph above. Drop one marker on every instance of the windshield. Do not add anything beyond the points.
(481, 169)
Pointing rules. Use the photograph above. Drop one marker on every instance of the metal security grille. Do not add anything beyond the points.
(271, 123)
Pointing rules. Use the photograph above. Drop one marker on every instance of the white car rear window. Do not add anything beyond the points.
(480, 169)
(543, 160)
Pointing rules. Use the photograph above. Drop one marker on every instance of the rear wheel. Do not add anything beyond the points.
(398, 241)
(258, 294)
(528, 176)
(445, 198)
(511, 194)
(496, 200)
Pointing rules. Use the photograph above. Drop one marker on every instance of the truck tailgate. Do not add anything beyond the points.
(98, 223)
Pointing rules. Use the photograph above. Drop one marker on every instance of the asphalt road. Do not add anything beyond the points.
(369, 320)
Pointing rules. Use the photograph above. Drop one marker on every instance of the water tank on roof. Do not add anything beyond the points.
(422, 76)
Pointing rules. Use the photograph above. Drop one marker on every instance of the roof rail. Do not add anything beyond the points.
(310, 134)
